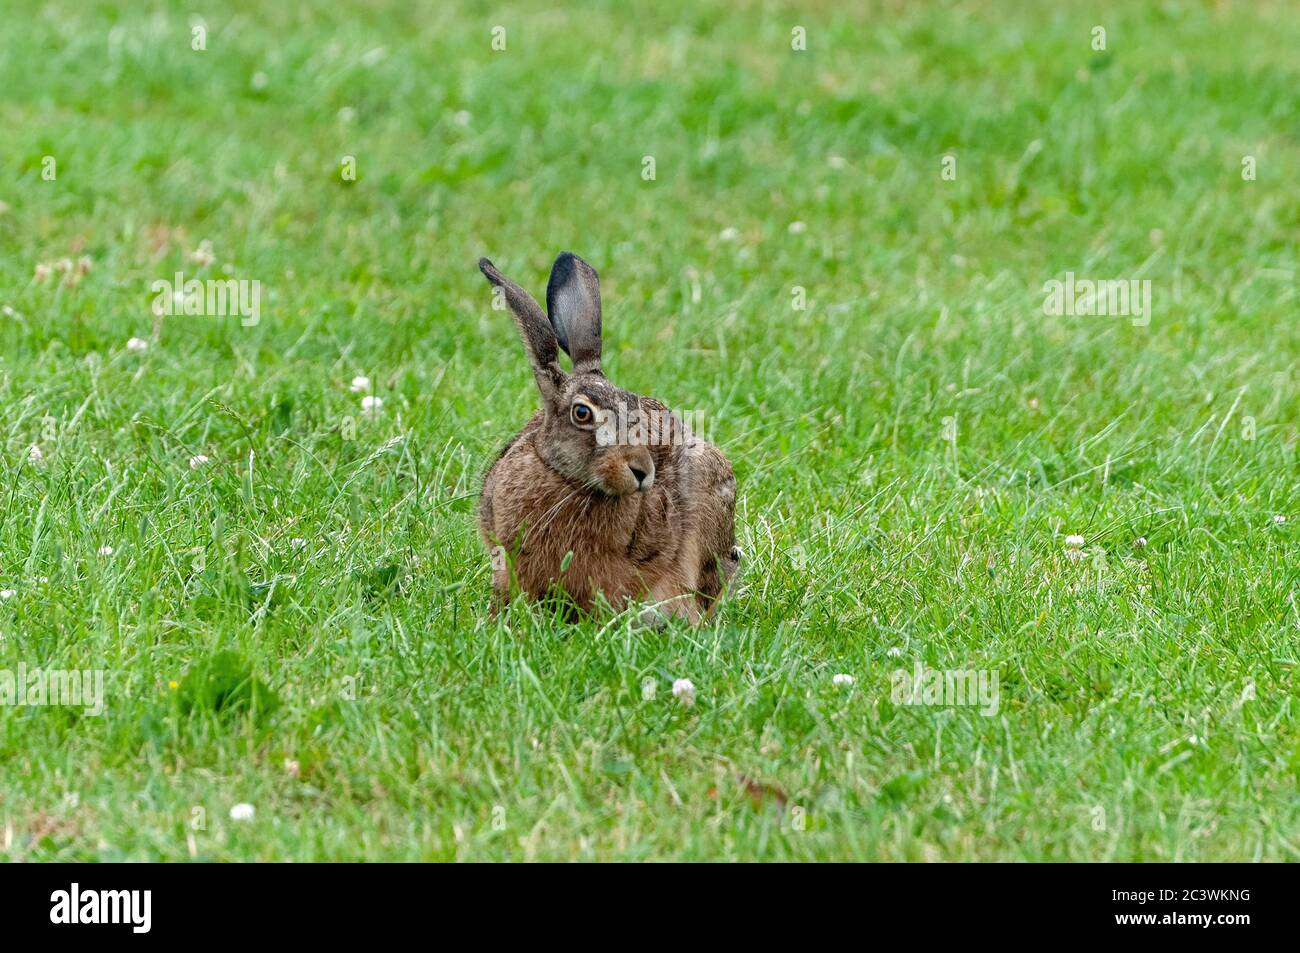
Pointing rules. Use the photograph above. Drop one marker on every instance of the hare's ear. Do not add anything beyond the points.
(573, 302)
(539, 339)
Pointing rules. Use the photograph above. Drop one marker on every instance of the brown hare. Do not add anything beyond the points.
(604, 495)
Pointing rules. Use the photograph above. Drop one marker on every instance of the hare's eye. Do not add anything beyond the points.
(582, 414)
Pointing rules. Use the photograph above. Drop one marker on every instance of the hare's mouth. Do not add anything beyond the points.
(626, 473)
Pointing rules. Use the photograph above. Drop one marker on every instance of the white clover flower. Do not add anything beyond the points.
(34, 454)
(137, 344)
(198, 460)
(242, 812)
(1279, 519)
(1140, 542)
(42, 272)
(105, 550)
(8, 593)
(360, 383)
(684, 691)
(894, 651)
(1074, 541)
(842, 679)
(797, 228)
(370, 404)
(729, 234)
(259, 80)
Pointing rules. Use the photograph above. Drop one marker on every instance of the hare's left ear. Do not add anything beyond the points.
(573, 305)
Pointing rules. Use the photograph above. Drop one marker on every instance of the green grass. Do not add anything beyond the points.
(1147, 706)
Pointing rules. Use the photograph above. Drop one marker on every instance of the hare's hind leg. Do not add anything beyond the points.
(717, 578)
(666, 607)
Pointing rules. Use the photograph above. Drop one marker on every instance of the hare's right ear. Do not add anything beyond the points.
(573, 302)
(539, 338)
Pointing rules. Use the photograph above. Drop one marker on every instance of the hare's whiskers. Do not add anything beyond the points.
(550, 515)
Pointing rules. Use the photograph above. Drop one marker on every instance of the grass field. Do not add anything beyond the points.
(300, 621)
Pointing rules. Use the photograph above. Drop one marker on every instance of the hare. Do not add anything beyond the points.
(604, 495)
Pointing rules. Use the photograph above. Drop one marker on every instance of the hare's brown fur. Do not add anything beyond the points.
(649, 519)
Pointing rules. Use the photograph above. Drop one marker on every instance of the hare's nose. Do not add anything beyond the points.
(642, 477)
